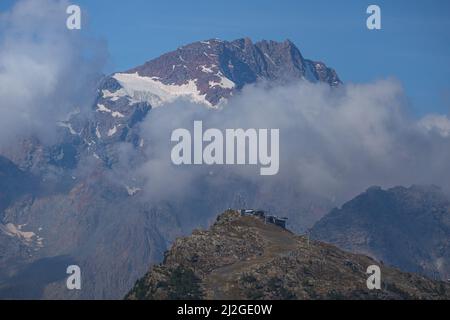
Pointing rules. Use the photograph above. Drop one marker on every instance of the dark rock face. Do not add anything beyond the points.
(244, 258)
(13, 183)
(405, 227)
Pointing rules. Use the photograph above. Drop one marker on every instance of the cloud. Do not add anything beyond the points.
(334, 143)
(436, 122)
(46, 70)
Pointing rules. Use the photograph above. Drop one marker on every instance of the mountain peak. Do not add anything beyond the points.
(210, 71)
(207, 72)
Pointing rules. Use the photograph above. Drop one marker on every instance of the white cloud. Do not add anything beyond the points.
(437, 123)
(44, 72)
(334, 143)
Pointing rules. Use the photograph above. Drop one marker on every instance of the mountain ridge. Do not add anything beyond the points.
(215, 69)
(405, 227)
(241, 257)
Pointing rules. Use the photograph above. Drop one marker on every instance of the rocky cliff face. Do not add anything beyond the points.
(404, 227)
(245, 258)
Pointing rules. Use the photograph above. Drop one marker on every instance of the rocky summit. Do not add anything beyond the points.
(244, 257)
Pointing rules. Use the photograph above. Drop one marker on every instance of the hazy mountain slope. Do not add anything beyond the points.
(405, 227)
(13, 183)
(16, 245)
(97, 226)
(244, 258)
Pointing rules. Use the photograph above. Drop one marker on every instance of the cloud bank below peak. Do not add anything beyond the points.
(334, 142)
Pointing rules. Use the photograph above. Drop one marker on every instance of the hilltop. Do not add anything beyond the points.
(242, 257)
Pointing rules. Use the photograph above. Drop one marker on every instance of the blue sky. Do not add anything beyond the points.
(413, 45)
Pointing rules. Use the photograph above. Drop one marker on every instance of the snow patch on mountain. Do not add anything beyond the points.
(132, 190)
(224, 82)
(117, 114)
(102, 108)
(269, 58)
(153, 91)
(112, 131)
(206, 69)
(113, 96)
(67, 125)
(16, 231)
(97, 132)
